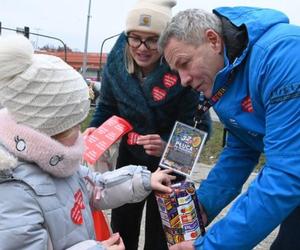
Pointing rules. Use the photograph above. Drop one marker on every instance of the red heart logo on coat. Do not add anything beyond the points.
(79, 199)
(247, 104)
(158, 94)
(170, 80)
(76, 213)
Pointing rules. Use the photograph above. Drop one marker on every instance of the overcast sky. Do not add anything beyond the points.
(67, 19)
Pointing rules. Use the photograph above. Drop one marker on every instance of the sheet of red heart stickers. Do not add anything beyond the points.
(103, 137)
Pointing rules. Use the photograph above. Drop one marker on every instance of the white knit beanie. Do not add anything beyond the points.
(150, 16)
(40, 91)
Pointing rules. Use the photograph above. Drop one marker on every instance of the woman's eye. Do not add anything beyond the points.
(153, 41)
(134, 39)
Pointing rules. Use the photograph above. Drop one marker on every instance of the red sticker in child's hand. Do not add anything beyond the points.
(132, 138)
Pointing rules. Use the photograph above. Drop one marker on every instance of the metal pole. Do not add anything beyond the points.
(101, 50)
(86, 42)
(51, 37)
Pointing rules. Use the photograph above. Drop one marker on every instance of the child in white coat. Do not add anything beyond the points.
(46, 195)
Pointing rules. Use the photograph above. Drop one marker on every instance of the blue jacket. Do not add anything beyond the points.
(261, 112)
(124, 95)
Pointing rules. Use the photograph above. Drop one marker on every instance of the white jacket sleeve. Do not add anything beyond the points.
(87, 245)
(125, 185)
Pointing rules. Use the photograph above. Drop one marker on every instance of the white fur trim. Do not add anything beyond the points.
(7, 160)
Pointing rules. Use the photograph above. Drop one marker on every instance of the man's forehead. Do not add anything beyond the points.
(174, 51)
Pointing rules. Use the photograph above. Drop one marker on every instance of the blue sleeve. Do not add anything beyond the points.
(225, 180)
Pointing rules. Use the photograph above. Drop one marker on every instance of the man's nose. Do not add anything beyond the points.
(185, 78)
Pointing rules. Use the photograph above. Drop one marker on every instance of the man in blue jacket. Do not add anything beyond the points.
(246, 62)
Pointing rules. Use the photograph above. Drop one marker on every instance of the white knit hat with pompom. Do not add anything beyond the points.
(40, 91)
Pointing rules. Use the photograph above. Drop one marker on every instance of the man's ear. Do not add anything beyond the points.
(215, 40)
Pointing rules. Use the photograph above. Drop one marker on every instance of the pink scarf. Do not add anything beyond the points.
(33, 146)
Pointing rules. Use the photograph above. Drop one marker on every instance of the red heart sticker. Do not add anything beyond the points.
(158, 94)
(132, 138)
(247, 105)
(169, 80)
(79, 199)
(76, 213)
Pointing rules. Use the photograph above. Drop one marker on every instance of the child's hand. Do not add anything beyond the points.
(114, 242)
(88, 132)
(161, 180)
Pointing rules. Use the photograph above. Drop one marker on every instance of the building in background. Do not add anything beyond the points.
(75, 59)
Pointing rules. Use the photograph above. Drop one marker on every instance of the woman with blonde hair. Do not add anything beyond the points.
(141, 88)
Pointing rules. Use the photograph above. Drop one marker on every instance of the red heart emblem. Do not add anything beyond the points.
(76, 213)
(132, 138)
(247, 105)
(79, 199)
(158, 94)
(169, 80)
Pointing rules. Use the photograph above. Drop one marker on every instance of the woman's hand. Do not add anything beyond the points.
(114, 242)
(161, 180)
(152, 143)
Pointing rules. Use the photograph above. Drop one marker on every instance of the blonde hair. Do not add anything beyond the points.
(130, 64)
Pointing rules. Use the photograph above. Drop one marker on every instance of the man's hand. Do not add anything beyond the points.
(184, 245)
(153, 144)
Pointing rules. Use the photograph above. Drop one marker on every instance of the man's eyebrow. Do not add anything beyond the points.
(181, 59)
(175, 63)
(178, 62)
